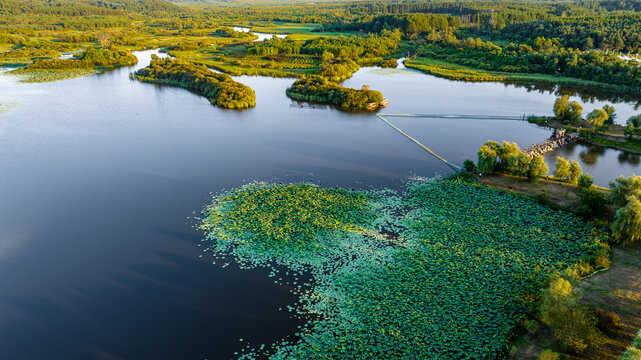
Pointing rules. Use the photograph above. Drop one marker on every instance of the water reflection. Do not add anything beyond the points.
(629, 158)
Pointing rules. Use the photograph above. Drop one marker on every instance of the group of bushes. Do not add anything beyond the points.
(220, 89)
(571, 112)
(633, 126)
(575, 326)
(319, 89)
(493, 156)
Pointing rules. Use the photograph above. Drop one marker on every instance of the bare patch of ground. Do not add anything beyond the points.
(560, 193)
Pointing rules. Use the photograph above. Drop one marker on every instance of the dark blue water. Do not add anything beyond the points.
(100, 175)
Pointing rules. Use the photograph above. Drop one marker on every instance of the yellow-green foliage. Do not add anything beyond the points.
(573, 325)
(39, 76)
(284, 216)
(548, 354)
(321, 90)
(92, 58)
(220, 89)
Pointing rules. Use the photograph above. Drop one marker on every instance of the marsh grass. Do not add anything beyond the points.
(40, 76)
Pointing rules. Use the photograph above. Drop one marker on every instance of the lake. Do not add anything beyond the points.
(101, 176)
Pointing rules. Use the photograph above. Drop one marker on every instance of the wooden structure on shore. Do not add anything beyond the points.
(375, 105)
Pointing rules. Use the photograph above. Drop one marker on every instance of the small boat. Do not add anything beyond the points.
(384, 102)
(372, 106)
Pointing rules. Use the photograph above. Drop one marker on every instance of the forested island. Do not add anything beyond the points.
(220, 89)
(321, 90)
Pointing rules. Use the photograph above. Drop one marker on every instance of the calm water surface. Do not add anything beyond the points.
(98, 259)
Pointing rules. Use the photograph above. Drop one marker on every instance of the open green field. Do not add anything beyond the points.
(40, 76)
(444, 270)
(631, 145)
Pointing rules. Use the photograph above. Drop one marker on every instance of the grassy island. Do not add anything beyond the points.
(90, 61)
(220, 89)
(319, 89)
(439, 271)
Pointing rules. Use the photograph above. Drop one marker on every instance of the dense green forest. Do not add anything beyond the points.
(220, 89)
(491, 40)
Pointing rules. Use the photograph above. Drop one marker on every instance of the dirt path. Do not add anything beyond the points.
(618, 290)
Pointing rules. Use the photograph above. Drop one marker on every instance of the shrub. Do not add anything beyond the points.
(608, 320)
(601, 260)
(627, 221)
(575, 171)
(532, 326)
(573, 326)
(468, 165)
(543, 198)
(562, 169)
(585, 182)
(537, 168)
(594, 200)
(548, 354)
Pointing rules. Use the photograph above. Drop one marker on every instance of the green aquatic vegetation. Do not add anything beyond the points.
(41, 75)
(444, 271)
(288, 217)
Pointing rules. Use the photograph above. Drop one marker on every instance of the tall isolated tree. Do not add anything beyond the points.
(627, 221)
(576, 110)
(622, 188)
(562, 169)
(566, 110)
(597, 118)
(609, 109)
(505, 152)
(518, 164)
(537, 168)
(487, 157)
(575, 171)
(562, 107)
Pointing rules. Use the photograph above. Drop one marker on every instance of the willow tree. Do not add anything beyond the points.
(562, 169)
(627, 221)
(487, 157)
(537, 168)
(575, 171)
(597, 118)
(622, 188)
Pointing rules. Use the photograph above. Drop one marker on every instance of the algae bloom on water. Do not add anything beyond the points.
(438, 272)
